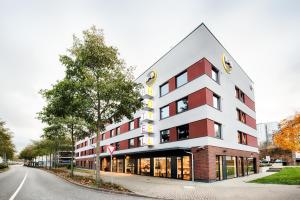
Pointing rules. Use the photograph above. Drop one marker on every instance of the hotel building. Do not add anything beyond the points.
(198, 119)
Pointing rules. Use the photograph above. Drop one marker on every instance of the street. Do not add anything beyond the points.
(38, 185)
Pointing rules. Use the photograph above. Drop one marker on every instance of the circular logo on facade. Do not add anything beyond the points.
(151, 78)
(226, 64)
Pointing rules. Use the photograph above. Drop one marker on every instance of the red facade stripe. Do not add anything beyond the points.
(249, 103)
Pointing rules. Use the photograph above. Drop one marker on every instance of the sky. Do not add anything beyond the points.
(262, 36)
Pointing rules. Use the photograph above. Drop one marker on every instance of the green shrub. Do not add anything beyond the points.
(3, 165)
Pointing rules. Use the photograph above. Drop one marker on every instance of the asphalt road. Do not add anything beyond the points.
(22, 183)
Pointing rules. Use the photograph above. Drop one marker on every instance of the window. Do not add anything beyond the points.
(112, 133)
(164, 112)
(103, 136)
(165, 135)
(118, 131)
(139, 122)
(164, 89)
(182, 105)
(240, 94)
(183, 132)
(131, 143)
(230, 167)
(218, 131)
(140, 141)
(131, 125)
(181, 79)
(241, 116)
(102, 149)
(117, 146)
(215, 74)
(216, 102)
(242, 138)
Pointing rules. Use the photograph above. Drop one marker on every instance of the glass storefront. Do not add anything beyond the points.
(250, 166)
(120, 164)
(240, 166)
(231, 166)
(129, 165)
(162, 167)
(145, 166)
(105, 166)
(114, 166)
(179, 167)
(186, 172)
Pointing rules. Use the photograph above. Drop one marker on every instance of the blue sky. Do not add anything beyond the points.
(262, 36)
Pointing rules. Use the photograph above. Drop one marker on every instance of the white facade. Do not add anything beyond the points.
(199, 44)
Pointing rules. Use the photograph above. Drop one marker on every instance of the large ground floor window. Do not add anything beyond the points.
(230, 166)
(145, 166)
(162, 166)
(178, 167)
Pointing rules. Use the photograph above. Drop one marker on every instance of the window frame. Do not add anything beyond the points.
(129, 125)
(219, 125)
(218, 101)
(187, 100)
(161, 86)
(186, 130)
(216, 71)
(160, 112)
(177, 76)
(112, 133)
(117, 146)
(161, 139)
(118, 130)
(129, 144)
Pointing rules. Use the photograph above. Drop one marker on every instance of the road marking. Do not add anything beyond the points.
(18, 189)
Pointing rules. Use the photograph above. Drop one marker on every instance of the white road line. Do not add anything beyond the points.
(18, 189)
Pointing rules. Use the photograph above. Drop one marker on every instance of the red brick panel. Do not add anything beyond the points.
(197, 98)
(198, 129)
(124, 128)
(173, 134)
(123, 144)
(210, 128)
(172, 109)
(205, 160)
(207, 67)
(199, 68)
(107, 134)
(209, 97)
(172, 84)
(252, 141)
(249, 103)
(250, 121)
(136, 122)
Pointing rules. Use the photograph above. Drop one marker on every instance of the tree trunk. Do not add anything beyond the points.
(46, 162)
(50, 166)
(98, 181)
(72, 155)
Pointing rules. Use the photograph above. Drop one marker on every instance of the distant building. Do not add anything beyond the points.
(265, 132)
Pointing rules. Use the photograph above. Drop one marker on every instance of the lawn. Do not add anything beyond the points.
(288, 176)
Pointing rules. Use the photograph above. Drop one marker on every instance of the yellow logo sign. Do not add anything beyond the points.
(226, 64)
(151, 78)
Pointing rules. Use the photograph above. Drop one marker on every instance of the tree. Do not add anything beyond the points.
(288, 136)
(103, 80)
(56, 140)
(7, 148)
(64, 112)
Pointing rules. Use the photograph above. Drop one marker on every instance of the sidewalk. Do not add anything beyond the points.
(236, 188)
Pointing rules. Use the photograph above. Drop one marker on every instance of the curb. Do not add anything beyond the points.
(100, 189)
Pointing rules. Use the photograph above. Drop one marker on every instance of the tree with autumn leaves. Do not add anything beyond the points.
(288, 136)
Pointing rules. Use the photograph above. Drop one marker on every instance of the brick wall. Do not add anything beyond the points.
(205, 160)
